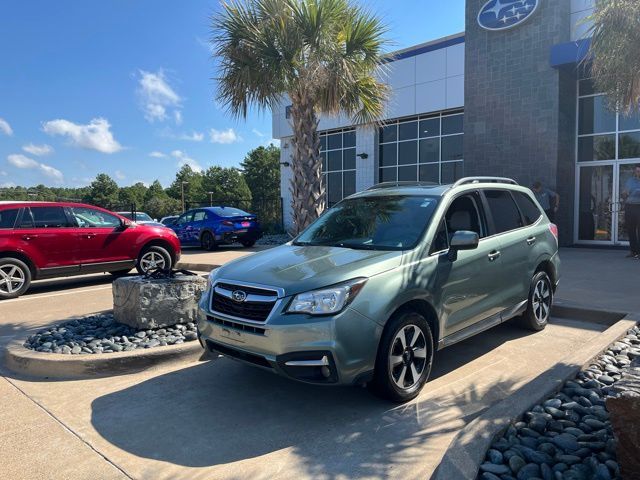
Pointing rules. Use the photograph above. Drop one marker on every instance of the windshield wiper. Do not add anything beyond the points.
(355, 246)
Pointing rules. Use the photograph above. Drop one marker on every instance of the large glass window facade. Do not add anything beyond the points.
(338, 152)
(426, 148)
(603, 134)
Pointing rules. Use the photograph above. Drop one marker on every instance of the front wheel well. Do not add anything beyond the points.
(427, 311)
(23, 258)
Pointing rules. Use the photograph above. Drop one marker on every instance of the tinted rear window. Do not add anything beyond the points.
(8, 218)
(506, 215)
(49, 217)
(229, 212)
(528, 208)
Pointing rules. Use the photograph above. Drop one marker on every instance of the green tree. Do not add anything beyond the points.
(103, 191)
(133, 195)
(227, 187)
(615, 52)
(323, 54)
(193, 191)
(262, 173)
(155, 190)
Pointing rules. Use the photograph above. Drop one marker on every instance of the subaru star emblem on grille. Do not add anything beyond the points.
(239, 296)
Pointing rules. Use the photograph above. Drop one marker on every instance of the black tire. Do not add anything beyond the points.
(207, 242)
(154, 251)
(248, 244)
(15, 278)
(386, 378)
(538, 312)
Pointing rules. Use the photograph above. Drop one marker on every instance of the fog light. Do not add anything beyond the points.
(326, 373)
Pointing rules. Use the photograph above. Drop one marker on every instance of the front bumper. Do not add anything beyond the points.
(338, 349)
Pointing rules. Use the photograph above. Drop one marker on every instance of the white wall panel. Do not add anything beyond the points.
(431, 96)
(402, 102)
(455, 60)
(401, 73)
(455, 92)
(431, 66)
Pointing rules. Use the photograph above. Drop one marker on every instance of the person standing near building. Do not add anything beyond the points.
(548, 200)
(631, 196)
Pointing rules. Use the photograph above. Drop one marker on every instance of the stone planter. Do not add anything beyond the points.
(146, 303)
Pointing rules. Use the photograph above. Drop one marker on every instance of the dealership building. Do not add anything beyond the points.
(508, 97)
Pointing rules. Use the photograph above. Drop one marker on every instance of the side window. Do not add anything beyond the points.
(506, 215)
(199, 216)
(27, 219)
(49, 217)
(528, 208)
(463, 214)
(8, 218)
(184, 218)
(88, 217)
(441, 240)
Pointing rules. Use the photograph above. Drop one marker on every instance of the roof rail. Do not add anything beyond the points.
(402, 184)
(467, 180)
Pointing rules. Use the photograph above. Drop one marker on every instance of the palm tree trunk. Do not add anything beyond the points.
(307, 187)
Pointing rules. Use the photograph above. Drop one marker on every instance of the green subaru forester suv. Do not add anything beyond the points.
(370, 290)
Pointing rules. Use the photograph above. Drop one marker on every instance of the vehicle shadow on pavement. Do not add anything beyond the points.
(220, 412)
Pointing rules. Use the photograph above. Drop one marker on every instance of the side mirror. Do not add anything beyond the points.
(462, 240)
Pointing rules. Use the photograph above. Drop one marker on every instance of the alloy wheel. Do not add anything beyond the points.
(151, 260)
(408, 356)
(12, 278)
(541, 300)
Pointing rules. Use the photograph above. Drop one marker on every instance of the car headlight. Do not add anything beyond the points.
(328, 300)
(211, 277)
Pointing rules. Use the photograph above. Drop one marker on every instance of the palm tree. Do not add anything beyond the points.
(323, 54)
(615, 52)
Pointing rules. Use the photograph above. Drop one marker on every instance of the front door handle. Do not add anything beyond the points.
(531, 240)
(493, 255)
(88, 236)
(29, 237)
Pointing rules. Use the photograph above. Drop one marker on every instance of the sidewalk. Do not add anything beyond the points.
(600, 279)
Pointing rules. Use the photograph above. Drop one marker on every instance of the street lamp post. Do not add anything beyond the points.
(182, 184)
(210, 199)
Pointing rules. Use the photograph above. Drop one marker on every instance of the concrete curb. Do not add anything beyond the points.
(57, 366)
(566, 309)
(198, 267)
(468, 448)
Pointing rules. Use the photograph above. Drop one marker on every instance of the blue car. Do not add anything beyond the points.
(209, 227)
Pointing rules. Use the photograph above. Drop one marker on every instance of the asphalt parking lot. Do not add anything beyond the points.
(220, 419)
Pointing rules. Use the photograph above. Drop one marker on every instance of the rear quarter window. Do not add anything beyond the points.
(8, 217)
(504, 211)
(530, 211)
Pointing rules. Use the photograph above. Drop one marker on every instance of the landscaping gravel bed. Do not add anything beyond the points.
(102, 334)
(273, 239)
(568, 436)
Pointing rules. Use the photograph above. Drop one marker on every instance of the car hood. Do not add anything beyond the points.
(301, 268)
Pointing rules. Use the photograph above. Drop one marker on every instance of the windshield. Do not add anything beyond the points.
(375, 223)
(143, 217)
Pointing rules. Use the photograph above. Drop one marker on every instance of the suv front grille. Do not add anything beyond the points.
(256, 306)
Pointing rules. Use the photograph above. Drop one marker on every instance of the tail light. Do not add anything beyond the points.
(227, 223)
(553, 228)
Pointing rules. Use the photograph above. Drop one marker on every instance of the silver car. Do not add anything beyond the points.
(368, 292)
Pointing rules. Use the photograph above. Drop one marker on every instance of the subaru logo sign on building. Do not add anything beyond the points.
(504, 14)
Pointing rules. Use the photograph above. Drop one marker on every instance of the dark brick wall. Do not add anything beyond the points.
(519, 111)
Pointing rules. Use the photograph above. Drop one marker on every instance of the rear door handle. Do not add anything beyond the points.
(531, 240)
(493, 255)
(88, 236)
(29, 237)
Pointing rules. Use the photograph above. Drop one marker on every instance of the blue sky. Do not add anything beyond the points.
(126, 87)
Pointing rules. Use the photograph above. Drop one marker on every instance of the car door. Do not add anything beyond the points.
(101, 237)
(508, 227)
(193, 230)
(47, 234)
(466, 285)
(181, 225)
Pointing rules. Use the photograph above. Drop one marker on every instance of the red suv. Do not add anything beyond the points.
(57, 239)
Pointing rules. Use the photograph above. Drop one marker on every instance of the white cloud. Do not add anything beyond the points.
(22, 161)
(7, 185)
(184, 159)
(3, 173)
(156, 96)
(224, 136)
(258, 132)
(192, 137)
(119, 175)
(94, 136)
(156, 154)
(38, 150)
(5, 127)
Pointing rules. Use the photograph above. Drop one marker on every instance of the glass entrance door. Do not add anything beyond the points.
(601, 198)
